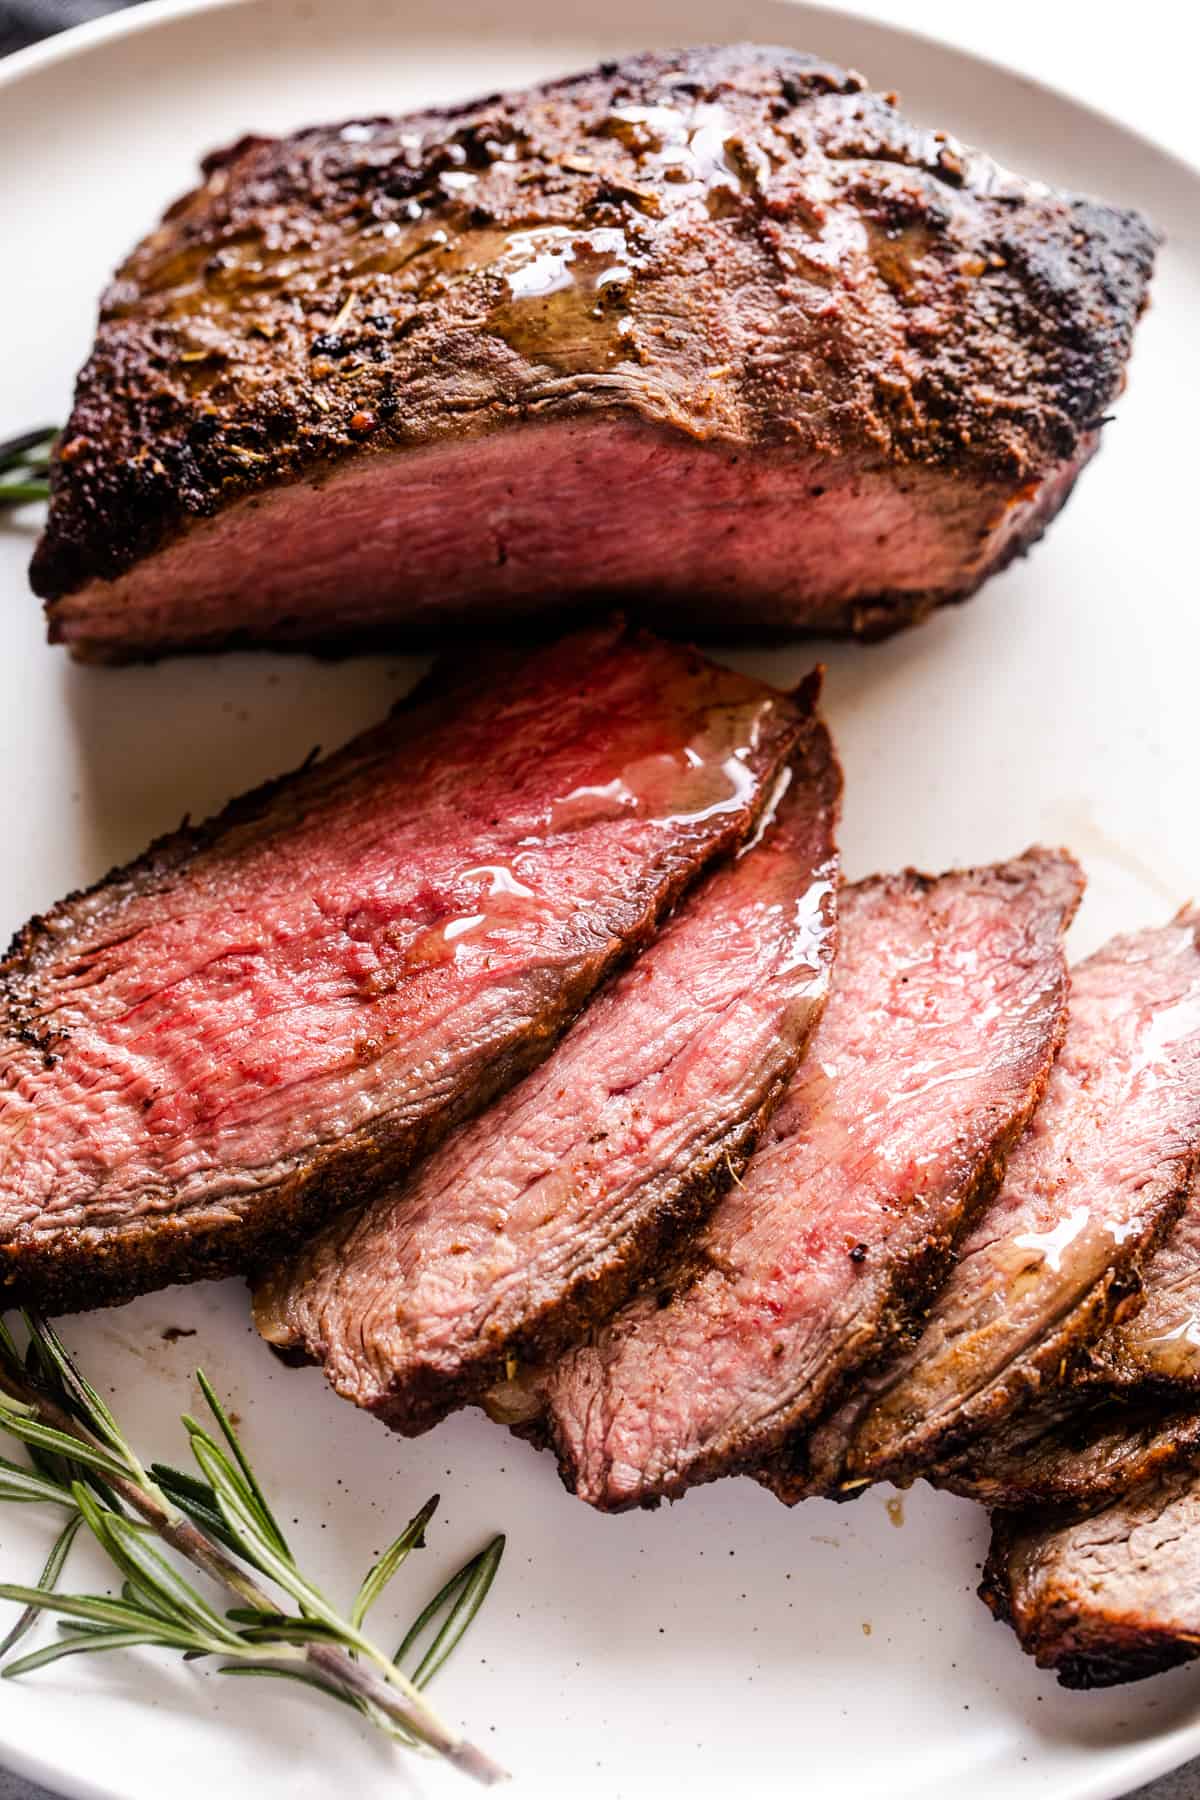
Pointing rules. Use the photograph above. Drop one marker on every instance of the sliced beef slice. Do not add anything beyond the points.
(1158, 1346)
(948, 1002)
(268, 1016)
(1102, 1175)
(1071, 1448)
(1108, 1597)
(541, 1216)
(714, 331)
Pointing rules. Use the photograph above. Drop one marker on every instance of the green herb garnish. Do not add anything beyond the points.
(221, 1522)
(25, 466)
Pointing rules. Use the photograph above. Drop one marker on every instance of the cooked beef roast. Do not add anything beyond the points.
(1070, 1449)
(715, 330)
(270, 1015)
(948, 1002)
(1102, 1175)
(541, 1216)
(1159, 1345)
(1111, 1596)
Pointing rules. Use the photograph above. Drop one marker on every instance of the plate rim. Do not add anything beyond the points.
(147, 15)
(1151, 1758)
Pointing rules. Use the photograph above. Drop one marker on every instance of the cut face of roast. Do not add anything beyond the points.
(542, 1215)
(947, 1004)
(269, 1016)
(1102, 1175)
(1109, 1596)
(716, 326)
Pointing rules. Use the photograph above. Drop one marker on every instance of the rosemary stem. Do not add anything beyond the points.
(401, 1704)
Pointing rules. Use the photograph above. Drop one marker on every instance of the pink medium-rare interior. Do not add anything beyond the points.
(544, 1190)
(408, 541)
(1106, 1151)
(412, 903)
(940, 1006)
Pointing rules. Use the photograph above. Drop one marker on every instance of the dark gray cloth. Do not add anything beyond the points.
(25, 21)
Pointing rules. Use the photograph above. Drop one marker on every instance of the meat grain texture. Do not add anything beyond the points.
(1101, 1177)
(948, 1002)
(540, 1217)
(1072, 1448)
(271, 1015)
(1158, 1346)
(385, 378)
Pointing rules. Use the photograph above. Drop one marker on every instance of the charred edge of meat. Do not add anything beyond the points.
(1073, 1451)
(129, 473)
(1104, 1651)
(917, 1282)
(88, 1266)
(95, 1266)
(660, 1241)
(1050, 1365)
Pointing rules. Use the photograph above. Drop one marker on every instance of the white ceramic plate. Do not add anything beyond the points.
(725, 1644)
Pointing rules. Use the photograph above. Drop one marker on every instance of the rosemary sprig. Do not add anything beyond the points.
(221, 1522)
(25, 466)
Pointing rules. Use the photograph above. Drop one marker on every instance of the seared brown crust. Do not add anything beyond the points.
(298, 309)
(91, 1266)
(557, 1308)
(660, 1240)
(1064, 1453)
(810, 1463)
(1104, 1596)
(67, 1268)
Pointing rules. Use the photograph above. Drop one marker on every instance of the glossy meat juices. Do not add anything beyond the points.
(1103, 1173)
(948, 1002)
(269, 1016)
(541, 1216)
(713, 333)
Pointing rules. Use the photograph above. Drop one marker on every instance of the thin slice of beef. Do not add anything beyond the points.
(1108, 1597)
(948, 1002)
(391, 377)
(542, 1216)
(1102, 1175)
(1158, 1346)
(1071, 1449)
(270, 1015)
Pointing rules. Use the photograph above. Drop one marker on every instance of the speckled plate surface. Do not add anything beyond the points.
(724, 1644)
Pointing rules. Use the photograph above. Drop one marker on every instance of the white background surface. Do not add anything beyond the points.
(1139, 65)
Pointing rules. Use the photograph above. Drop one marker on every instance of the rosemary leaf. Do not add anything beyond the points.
(290, 1631)
(10, 1356)
(97, 1608)
(94, 1411)
(194, 1498)
(461, 1599)
(255, 1539)
(152, 1577)
(47, 1581)
(80, 1643)
(17, 1483)
(23, 493)
(377, 1578)
(262, 1505)
(47, 1437)
(15, 452)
